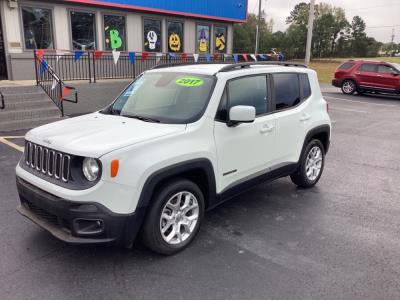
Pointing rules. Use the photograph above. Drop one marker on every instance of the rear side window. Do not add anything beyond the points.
(287, 91)
(368, 68)
(304, 86)
(346, 66)
(385, 69)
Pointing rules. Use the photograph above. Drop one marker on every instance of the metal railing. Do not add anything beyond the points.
(52, 85)
(3, 106)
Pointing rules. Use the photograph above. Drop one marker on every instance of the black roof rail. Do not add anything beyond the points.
(242, 65)
(161, 66)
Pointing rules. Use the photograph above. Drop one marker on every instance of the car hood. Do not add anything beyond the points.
(96, 134)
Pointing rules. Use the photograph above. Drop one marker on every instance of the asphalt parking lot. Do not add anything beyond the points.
(339, 240)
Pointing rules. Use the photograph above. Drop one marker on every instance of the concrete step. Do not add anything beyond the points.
(31, 104)
(23, 97)
(26, 124)
(29, 114)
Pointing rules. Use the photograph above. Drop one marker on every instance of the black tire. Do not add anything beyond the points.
(300, 177)
(349, 87)
(151, 231)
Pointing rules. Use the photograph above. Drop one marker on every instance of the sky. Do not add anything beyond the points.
(376, 13)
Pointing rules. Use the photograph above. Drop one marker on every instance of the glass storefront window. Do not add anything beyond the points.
(175, 36)
(203, 39)
(152, 35)
(114, 32)
(220, 39)
(38, 29)
(83, 28)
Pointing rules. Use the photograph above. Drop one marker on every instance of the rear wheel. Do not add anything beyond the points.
(311, 165)
(349, 87)
(174, 218)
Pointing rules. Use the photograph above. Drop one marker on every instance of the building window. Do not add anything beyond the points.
(114, 32)
(38, 29)
(175, 36)
(152, 35)
(83, 28)
(220, 39)
(203, 39)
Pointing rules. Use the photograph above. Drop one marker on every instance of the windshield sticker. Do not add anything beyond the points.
(189, 81)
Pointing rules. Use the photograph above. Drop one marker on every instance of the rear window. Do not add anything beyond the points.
(346, 66)
(368, 68)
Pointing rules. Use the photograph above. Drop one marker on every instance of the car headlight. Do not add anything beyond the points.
(90, 168)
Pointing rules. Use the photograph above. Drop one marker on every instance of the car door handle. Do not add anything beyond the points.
(267, 128)
(305, 117)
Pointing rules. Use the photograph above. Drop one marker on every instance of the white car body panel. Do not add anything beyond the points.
(144, 148)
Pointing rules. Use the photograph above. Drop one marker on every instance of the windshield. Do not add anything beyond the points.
(165, 97)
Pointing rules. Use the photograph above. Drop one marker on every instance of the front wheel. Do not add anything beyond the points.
(174, 218)
(311, 166)
(349, 87)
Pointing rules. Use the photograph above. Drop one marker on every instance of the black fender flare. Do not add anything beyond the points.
(202, 164)
(317, 130)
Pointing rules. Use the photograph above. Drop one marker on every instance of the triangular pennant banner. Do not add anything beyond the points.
(208, 57)
(253, 57)
(132, 57)
(215, 56)
(158, 57)
(183, 57)
(65, 92)
(116, 55)
(53, 86)
(195, 57)
(98, 54)
(43, 66)
(226, 56)
(78, 54)
(236, 58)
(245, 57)
(144, 56)
(39, 54)
(263, 56)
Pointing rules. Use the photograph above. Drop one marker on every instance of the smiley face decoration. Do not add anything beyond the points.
(174, 42)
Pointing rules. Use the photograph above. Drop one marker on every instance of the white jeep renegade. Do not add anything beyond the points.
(178, 141)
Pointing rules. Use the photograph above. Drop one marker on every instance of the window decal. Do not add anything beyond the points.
(175, 37)
(203, 39)
(220, 39)
(190, 81)
(152, 35)
(114, 32)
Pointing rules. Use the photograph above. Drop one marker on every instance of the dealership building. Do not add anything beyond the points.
(159, 26)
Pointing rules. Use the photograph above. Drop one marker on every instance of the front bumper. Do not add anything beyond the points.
(75, 222)
(336, 82)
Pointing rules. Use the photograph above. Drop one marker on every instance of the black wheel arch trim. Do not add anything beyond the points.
(326, 129)
(201, 164)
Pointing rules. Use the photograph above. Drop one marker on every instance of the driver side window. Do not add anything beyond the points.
(249, 91)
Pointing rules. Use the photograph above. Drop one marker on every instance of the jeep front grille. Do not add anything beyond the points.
(47, 161)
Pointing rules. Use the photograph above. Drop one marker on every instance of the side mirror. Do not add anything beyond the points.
(241, 114)
(395, 72)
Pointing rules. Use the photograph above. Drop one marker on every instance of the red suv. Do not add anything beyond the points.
(368, 76)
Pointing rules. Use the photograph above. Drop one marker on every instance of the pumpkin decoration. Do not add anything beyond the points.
(174, 42)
